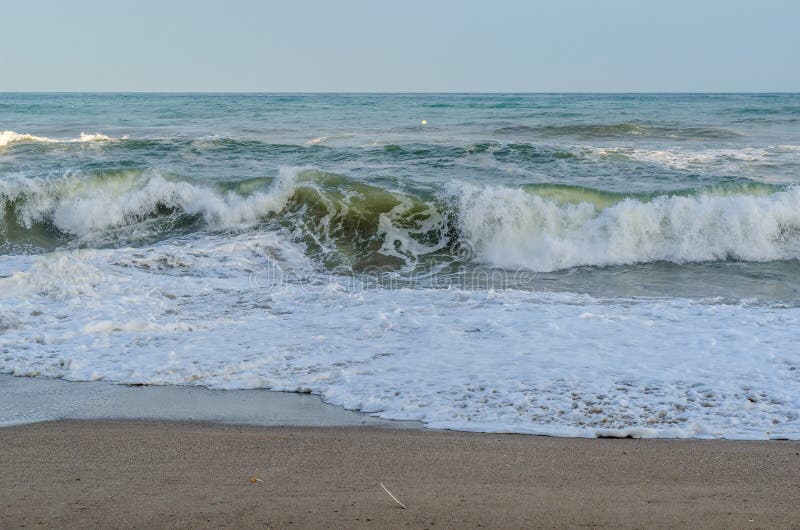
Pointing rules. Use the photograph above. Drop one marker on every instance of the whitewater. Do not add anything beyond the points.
(525, 264)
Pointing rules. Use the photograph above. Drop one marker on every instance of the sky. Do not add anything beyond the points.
(401, 46)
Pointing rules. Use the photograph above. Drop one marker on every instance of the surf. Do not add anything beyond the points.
(342, 221)
(9, 137)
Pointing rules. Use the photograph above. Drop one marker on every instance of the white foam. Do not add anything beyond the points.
(82, 207)
(559, 364)
(510, 227)
(340, 138)
(8, 137)
(97, 137)
(681, 158)
(133, 326)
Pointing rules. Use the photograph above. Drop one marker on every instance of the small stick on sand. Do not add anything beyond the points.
(403, 506)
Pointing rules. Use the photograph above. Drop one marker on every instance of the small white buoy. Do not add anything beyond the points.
(424, 122)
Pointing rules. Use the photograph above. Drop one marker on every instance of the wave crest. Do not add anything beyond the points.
(81, 206)
(342, 221)
(588, 131)
(511, 227)
(9, 137)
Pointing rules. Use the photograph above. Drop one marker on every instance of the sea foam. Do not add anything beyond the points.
(8, 137)
(539, 228)
(83, 206)
(511, 227)
(505, 361)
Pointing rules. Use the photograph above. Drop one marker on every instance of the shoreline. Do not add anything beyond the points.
(178, 474)
(30, 400)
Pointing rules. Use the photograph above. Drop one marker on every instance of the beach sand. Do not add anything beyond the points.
(33, 400)
(162, 474)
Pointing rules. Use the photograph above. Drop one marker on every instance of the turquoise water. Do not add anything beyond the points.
(576, 265)
(596, 150)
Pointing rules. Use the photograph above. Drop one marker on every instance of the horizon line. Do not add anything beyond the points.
(369, 92)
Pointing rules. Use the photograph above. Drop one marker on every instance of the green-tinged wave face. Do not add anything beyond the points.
(349, 223)
(563, 194)
(343, 222)
(592, 131)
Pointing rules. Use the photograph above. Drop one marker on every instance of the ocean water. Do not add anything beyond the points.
(579, 265)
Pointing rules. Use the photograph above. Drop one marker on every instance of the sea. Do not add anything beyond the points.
(557, 264)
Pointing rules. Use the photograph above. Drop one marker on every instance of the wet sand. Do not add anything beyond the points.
(157, 474)
(33, 400)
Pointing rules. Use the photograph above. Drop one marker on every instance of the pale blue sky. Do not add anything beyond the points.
(409, 45)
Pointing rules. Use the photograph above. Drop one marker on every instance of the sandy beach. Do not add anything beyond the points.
(427, 265)
(156, 474)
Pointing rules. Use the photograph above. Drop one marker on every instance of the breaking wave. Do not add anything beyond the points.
(588, 131)
(345, 222)
(9, 137)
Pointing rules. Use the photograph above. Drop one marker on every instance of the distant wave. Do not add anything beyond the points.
(621, 130)
(329, 137)
(511, 150)
(774, 110)
(685, 159)
(8, 137)
(543, 227)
